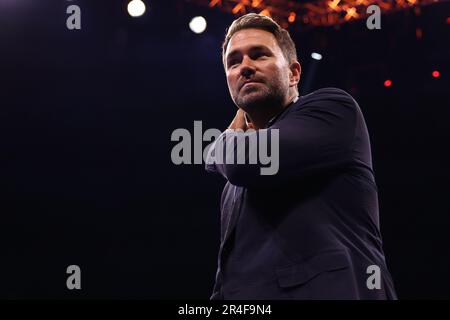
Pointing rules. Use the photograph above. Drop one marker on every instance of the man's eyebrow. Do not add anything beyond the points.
(232, 54)
(253, 48)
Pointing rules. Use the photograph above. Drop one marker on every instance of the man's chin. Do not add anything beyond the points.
(252, 99)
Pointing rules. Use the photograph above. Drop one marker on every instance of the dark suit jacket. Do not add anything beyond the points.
(312, 230)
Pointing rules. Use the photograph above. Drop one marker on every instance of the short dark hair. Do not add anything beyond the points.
(256, 21)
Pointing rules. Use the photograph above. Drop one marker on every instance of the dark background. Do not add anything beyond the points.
(86, 118)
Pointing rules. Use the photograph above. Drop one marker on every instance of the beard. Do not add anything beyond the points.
(260, 97)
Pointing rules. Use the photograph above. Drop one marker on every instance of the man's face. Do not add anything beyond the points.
(256, 69)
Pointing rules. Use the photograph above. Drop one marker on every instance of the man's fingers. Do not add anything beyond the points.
(239, 121)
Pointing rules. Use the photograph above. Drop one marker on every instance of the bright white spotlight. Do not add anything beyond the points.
(316, 56)
(136, 8)
(197, 24)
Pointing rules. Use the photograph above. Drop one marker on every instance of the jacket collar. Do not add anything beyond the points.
(272, 121)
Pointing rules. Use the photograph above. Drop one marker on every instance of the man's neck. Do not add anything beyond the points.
(260, 119)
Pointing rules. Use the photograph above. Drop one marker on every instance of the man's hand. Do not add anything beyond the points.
(240, 121)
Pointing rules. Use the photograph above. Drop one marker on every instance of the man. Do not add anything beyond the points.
(311, 230)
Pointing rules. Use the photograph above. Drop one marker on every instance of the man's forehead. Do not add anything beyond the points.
(248, 38)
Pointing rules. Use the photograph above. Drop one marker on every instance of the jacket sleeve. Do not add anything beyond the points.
(315, 137)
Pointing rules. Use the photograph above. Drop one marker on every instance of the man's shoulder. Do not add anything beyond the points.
(334, 102)
(328, 91)
(329, 94)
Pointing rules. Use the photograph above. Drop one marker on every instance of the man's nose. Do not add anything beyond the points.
(247, 67)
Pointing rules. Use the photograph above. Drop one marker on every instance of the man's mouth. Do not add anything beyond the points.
(248, 83)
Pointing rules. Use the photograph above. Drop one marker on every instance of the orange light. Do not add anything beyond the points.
(333, 4)
(265, 12)
(291, 17)
(419, 33)
(351, 13)
(237, 8)
(212, 3)
(387, 83)
(435, 74)
(256, 3)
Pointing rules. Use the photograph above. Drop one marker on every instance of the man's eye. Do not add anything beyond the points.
(232, 62)
(259, 55)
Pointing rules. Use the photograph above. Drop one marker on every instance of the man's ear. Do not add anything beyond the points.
(294, 74)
